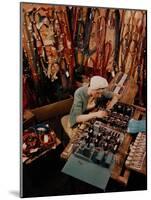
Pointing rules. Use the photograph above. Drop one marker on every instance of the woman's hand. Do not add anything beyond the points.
(101, 114)
(117, 96)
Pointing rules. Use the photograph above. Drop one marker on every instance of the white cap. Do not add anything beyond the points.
(98, 82)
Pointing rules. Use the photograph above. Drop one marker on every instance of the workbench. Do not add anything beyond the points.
(120, 172)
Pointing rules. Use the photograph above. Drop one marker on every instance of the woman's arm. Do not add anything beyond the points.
(87, 117)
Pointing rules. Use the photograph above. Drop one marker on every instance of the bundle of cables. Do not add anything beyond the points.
(38, 137)
(30, 141)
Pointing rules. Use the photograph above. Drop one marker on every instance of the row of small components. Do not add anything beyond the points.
(120, 116)
(137, 152)
(103, 144)
(103, 134)
(99, 128)
(106, 142)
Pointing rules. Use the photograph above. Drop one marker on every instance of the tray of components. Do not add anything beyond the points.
(37, 139)
(137, 153)
(119, 116)
(94, 154)
(98, 144)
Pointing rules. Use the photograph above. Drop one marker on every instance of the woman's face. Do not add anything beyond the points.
(96, 93)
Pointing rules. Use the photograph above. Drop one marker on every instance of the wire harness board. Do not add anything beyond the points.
(98, 144)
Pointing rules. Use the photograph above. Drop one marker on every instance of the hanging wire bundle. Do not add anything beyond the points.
(62, 43)
(48, 49)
